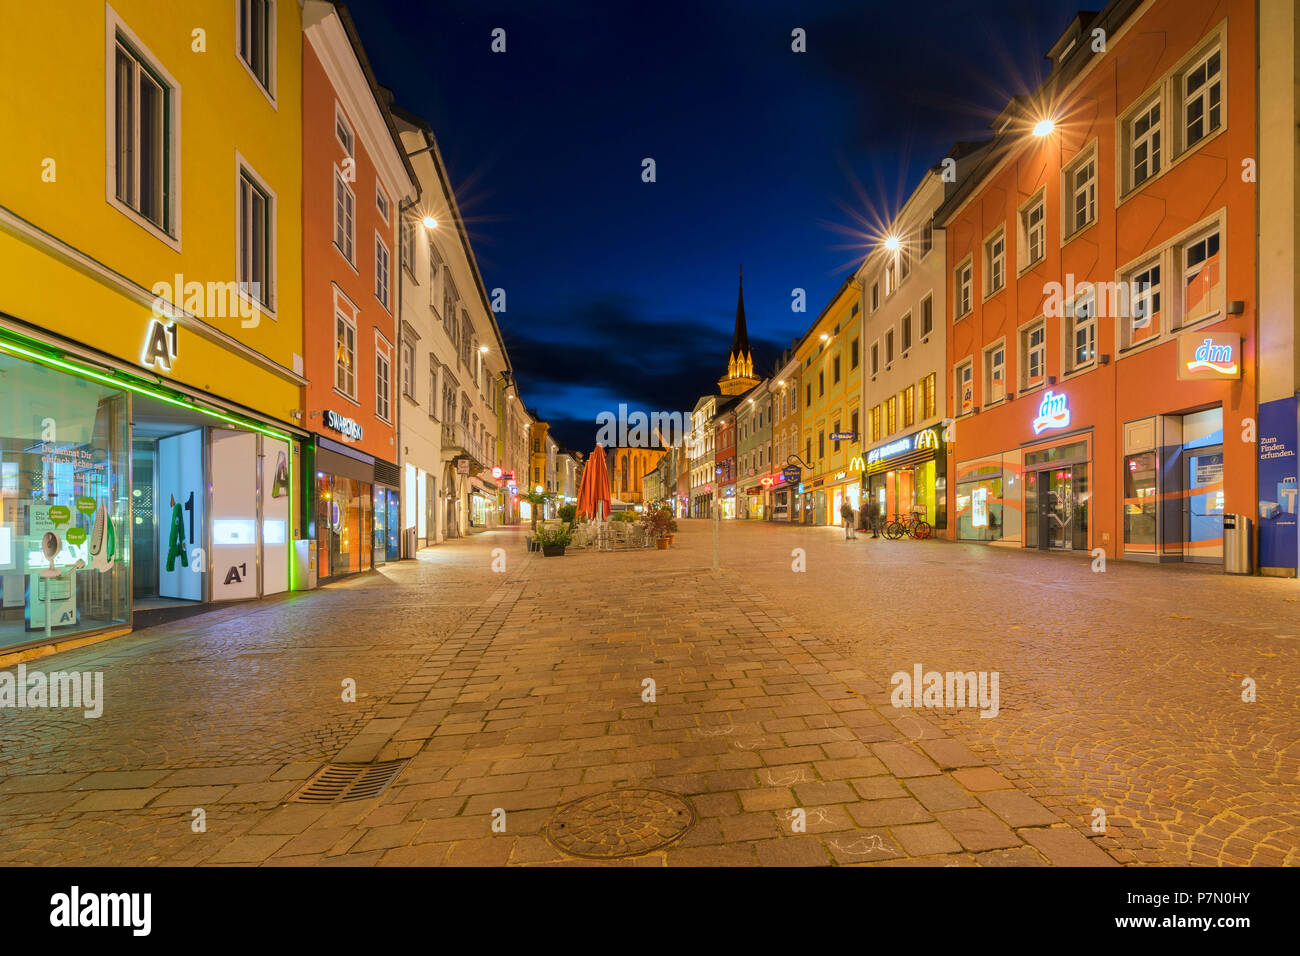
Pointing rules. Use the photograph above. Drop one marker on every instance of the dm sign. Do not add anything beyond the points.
(1209, 355)
(1053, 412)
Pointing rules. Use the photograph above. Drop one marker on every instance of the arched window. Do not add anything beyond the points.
(623, 470)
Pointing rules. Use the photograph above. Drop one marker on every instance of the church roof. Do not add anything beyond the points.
(740, 338)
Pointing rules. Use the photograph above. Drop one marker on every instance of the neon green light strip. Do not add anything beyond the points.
(123, 382)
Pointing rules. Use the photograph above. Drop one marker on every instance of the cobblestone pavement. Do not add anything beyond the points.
(515, 695)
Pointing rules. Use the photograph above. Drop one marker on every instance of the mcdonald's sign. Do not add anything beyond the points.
(927, 439)
(857, 464)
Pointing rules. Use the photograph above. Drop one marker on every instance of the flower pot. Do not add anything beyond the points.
(671, 538)
(553, 550)
(662, 543)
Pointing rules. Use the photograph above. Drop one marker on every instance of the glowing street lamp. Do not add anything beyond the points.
(892, 243)
(1043, 128)
(430, 222)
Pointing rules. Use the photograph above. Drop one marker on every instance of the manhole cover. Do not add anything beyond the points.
(339, 782)
(620, 823)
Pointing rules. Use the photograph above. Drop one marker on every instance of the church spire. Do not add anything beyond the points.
(740, 363)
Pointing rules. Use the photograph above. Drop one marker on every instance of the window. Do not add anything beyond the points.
(1081, 193)
(853, 424)
(1033, 232)
(1081, 319)
(1202, 99)
(927, 237)
(345, 354)
(904, 264)
(853, 355)
(835, 430)
(875, 423)
(143, 137)
(256, 229)
(929, 398)
(345, 205)
(1142, 322)
(891, 276)
(256, 28)
(875, 296)
(875, 357)
(889, 348)
(891, 414)
(808, 395)
(821, 444)
(962, 302)
(383, 379)
(808, 451)
(1144, 145)
(1033, 355)
(342, 130)
(995, 374)
(450, 303)
(821, 383)
(408, 247)
(835, 371)
(965, 381)
(437, 288)
(927, 316)
(909, 406)
(907, 332)
(1202, 278)
(381, 271)
(995, 262)
(408, 370)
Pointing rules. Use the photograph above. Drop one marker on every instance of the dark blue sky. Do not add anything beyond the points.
(625, 291)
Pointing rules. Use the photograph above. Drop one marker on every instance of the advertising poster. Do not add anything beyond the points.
(1277, 484)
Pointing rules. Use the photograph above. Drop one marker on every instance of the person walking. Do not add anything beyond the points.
(846, 513)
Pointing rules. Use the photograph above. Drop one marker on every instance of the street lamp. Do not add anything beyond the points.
(1044, 127)
(892, 243)
(430, 223)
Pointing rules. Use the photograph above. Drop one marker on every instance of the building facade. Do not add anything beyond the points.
(1102, 301)
(151, 333)
(359, 178)
(783, 500)
(753, 451)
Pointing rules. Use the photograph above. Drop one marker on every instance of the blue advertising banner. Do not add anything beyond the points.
(1277, 484)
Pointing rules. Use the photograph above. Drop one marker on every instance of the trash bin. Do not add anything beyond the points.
(410, 543)
(1237, 553)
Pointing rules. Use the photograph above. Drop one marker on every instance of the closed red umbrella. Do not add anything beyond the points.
(594, 491)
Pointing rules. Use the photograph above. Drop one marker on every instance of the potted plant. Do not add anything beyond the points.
(569, 514)
(553, 540)
(658, 523)
(537, 500)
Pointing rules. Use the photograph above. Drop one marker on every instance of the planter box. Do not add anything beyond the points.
(553, 550)
(662, 543)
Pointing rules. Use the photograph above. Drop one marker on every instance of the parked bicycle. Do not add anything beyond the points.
(912, 524)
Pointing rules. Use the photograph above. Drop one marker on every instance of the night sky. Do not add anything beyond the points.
(624, 291)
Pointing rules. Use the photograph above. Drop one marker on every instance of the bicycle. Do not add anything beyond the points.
(912, 524)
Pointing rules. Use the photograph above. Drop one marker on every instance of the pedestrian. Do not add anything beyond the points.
(846, 512)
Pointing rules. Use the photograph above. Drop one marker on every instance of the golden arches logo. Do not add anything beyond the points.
(857, 464)
(927, 439)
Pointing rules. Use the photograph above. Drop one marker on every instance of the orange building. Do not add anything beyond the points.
(357, 182)
(1101, 315)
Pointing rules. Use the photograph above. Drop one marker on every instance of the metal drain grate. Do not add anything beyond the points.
(340, 782)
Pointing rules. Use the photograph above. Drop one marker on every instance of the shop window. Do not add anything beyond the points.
(256, 28)
(927, 316)
(995, 262)
(962, 295)
(381, 271)
(142, 104)
(1202, 278)
(964, 381)
(1141, 321)
(1033, 355)
(344, 217)
(256, 237)
(64, 470)
(995, 374)
(1080, 192)
(1081, 323)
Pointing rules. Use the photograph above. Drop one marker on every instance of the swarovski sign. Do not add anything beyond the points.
(345, 426)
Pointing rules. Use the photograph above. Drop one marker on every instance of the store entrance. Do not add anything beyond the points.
(1056, 509)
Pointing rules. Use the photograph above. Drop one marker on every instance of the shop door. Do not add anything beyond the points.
(1203, 513)
(1050, 508)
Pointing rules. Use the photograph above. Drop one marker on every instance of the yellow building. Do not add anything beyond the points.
(150, 310)
(829, 363)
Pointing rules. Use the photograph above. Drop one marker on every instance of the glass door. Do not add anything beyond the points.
(1057, 507)
(1203, 515)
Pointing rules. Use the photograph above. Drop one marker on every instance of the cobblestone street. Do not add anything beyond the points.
(771, 738)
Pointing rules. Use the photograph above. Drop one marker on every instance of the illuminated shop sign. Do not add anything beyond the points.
(843, 436)
(345, 426)
(857, 464)
(1204, 355)
(926, 438)
(771, 481)
(1053, 412)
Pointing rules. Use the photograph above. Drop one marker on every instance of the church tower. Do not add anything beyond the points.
(740, 362)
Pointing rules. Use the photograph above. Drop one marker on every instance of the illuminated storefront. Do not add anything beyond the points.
(909, 474)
